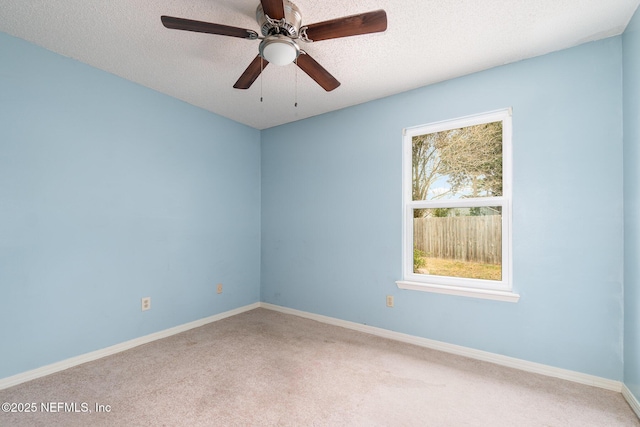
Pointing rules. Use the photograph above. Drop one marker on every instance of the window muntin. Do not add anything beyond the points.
(457, 184)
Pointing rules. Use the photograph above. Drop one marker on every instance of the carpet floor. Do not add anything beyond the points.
(265, 368)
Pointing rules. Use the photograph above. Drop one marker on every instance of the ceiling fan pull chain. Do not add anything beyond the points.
(279, 40)
(296, 85)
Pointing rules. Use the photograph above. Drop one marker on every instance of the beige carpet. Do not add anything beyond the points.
(264, 368)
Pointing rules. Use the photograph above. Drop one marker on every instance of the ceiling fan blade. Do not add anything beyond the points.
(251, 73)
(317, 72)
(207, 27)
(354, 25)
(273, 8)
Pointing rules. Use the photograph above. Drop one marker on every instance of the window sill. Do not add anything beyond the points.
(458, 290)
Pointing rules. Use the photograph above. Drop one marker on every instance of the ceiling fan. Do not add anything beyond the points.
(281, 27)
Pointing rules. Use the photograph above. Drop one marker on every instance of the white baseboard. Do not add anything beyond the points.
(94, 355)
(385, 333)
(631, 400)
(498, 359)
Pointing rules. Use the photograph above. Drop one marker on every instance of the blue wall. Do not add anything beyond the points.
(331, 212)
(631, 72)
(110, 192)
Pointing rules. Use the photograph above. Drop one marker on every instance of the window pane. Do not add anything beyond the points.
(458, 242)
(458, 163)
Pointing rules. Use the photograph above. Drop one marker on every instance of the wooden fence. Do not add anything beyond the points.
(464, 238)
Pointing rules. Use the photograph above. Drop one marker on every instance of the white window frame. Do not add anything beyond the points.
(488, 289)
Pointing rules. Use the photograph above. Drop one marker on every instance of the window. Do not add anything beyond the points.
(457, 207)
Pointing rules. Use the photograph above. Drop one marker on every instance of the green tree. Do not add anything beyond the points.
(470, 158)
(473, 159)
(440, 212)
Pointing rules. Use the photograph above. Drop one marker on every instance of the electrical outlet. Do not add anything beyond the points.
(146, 303)
(389, 300)
(219, 288)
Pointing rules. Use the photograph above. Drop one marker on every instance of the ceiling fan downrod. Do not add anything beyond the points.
(281, 26)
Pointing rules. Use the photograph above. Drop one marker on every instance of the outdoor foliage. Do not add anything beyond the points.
(469, 159)
(457, 164)
(418, 259)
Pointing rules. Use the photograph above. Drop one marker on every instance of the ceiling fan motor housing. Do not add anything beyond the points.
(289, 26)
(280, 34)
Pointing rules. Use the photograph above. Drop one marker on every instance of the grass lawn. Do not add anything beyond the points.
(449, 267)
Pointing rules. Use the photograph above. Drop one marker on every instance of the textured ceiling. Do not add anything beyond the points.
(426, 41)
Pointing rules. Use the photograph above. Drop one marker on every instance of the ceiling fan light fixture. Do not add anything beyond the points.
(281, 27)
(279, 50)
